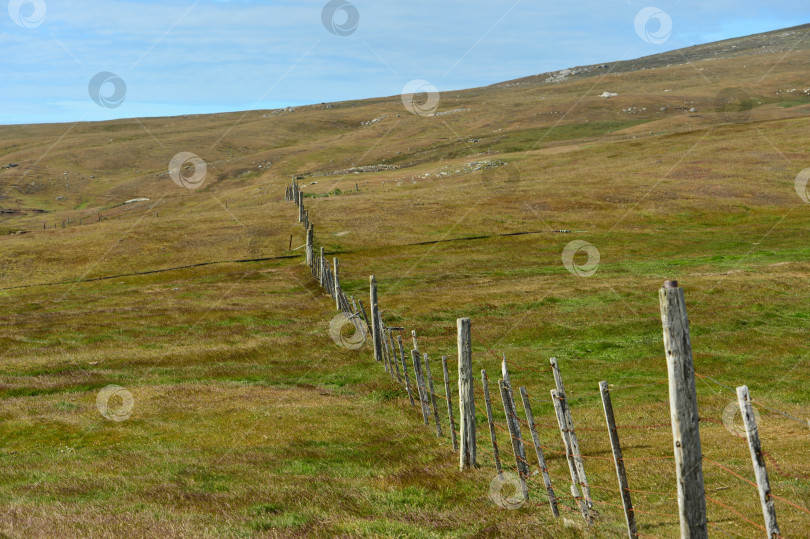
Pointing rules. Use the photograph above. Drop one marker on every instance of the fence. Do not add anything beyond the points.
(599, 480)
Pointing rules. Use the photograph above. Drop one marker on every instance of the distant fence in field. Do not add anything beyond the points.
(598, 486)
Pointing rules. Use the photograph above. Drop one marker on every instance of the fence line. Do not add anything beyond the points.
(688, 457)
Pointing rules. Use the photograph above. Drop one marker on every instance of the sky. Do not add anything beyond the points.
(89, 60)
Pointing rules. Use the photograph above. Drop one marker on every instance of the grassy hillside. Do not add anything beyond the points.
(249, 420)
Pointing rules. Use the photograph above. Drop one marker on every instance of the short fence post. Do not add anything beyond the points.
(491, 423)
(433, 397)
(420, 385)
(467, 455)
(514, 433)
(683, 411)
(760, 472)
(621, 474)
(405, 369)
(572, 435)
(538, 449)
(415, 344)
(375, 328)
(449, 403)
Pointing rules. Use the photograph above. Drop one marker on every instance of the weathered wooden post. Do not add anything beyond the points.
(320, 268)
(538, 449)
(624, 487)
(683, 411)
(405, 369)
(337, 284)
(433, 397)
(300, 206)
(760, 472)
(466, 398)
(420, 385)
(449, 403)
(375, 329)
(514, 433)
(310, 236)
(570, 433)
(415, 344)
(491, 423)
(389, 343)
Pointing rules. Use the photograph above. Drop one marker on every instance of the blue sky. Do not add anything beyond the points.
(186, 56)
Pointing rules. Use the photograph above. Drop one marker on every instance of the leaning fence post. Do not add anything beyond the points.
(514, 433)
(420, 385)
(538, 449)
(491, 422)
(449, 403)
(618, 459)
(572, 435)
(558, 409)
(683, 411)
(433, 397)
(405, 369)
(392, 353)
(386, 359)
(760, 472)
(467, 455)
(375, 327)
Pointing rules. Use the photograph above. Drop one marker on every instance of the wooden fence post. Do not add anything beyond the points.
(420, 385)
(433, 397)
(405, 370)
(386, 359)
(337, 283)
(538, 449)
(449, 403)
(683, 412)
(389, 344)
(415, 344)
(310, 236)
(491, 423)
(572, 467)
(466, 398)
(760, 472)
(375, 328)
(365, 316)
(514, 432)
(621, 474)
(571, 433)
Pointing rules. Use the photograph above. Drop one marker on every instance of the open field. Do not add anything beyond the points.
(249, 420)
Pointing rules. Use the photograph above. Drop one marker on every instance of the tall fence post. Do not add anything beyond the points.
(683, 412)
(760, 472)
(375, 327)
(538, 449)
(495, 452)
(449, 403)
(618, 459)
(433, 397)
(466, 398)
(514, 433)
